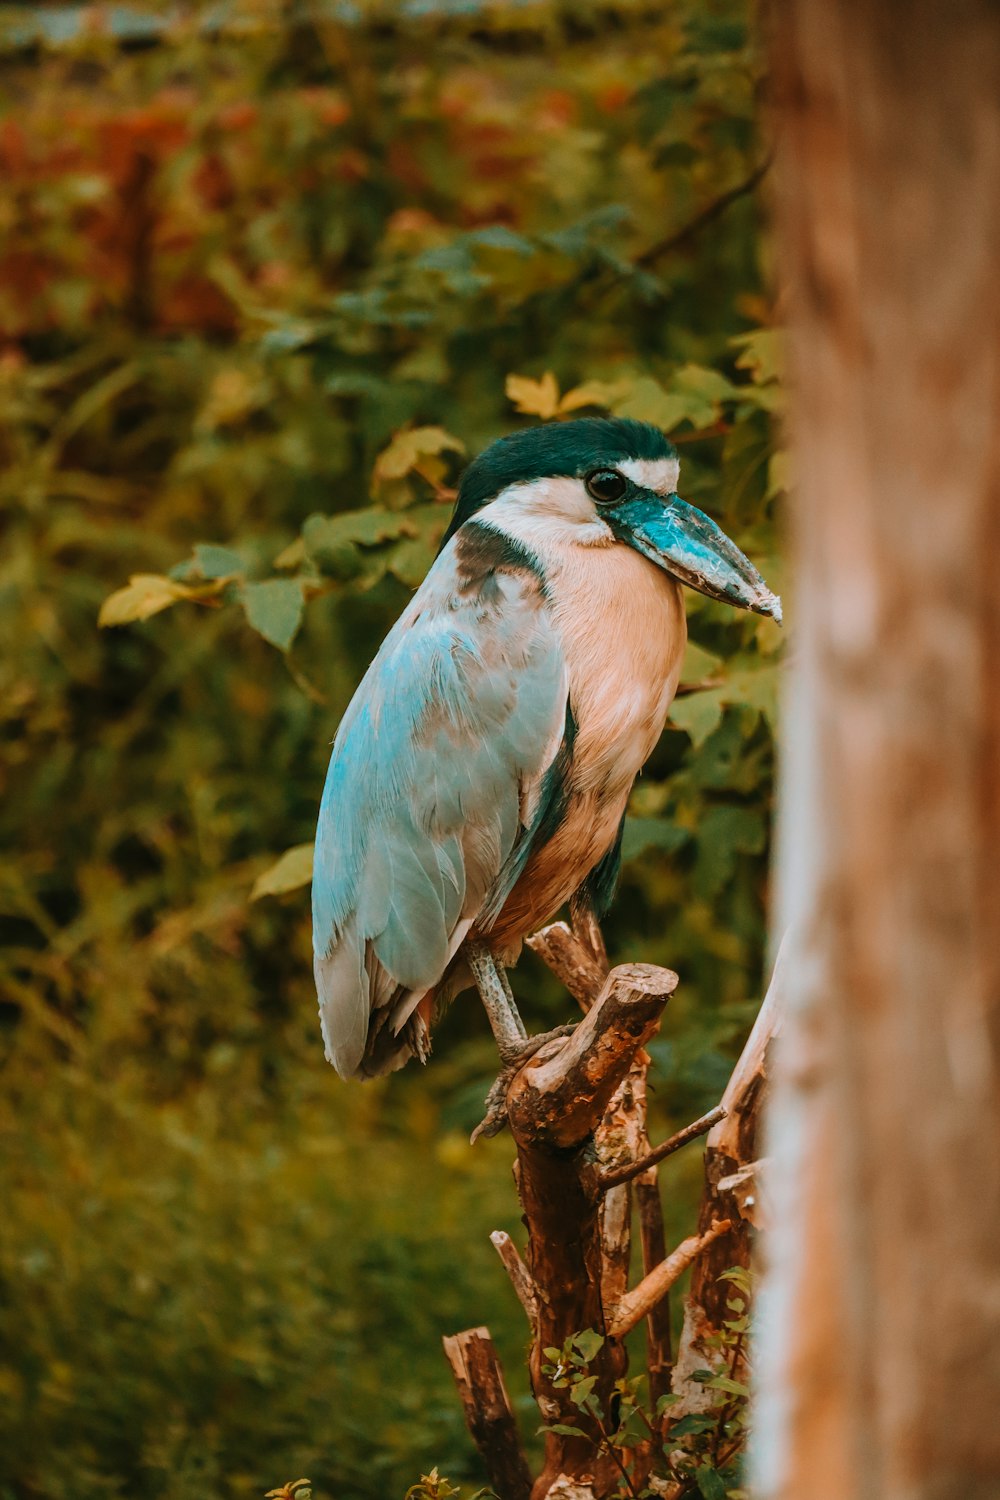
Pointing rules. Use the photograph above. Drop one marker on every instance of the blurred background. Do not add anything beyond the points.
(269, 273)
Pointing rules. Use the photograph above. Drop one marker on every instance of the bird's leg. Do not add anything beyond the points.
(498, 1001)
(502, 972)
(513, 1042)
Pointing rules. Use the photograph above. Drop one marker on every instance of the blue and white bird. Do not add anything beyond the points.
(480, 775)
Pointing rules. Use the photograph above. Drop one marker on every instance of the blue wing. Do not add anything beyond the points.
(434, 772)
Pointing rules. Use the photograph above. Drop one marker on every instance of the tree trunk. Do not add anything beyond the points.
(880, 1352)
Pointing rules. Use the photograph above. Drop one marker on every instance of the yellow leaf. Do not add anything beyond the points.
(407, 449)
(292, 870)
(232, 396)
(603, 393)
(536, 398)
(293, 556)
(145, 594)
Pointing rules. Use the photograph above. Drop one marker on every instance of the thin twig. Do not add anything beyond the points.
(520, 1276)
(683, 236)
(630, 1169)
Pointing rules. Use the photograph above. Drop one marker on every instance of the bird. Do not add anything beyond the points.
(480, 774)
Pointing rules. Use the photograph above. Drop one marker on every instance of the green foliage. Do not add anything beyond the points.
(701, 1451)
(434, 1486)
(264, 285)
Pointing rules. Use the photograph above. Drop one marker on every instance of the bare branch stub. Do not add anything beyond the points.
(573, 961)
(520, 1276)
(488, 1414)
(558, 1097)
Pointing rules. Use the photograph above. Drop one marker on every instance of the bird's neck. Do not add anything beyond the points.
(623, 629)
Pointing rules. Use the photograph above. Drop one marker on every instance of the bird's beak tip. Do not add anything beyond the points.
(771, 605)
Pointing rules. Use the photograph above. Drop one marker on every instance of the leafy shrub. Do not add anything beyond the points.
(262, 285)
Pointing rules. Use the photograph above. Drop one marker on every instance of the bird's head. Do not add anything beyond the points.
(602, 480)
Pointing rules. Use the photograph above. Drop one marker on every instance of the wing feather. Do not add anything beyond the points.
(448, 734)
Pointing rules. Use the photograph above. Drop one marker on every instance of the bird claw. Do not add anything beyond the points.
(495, 1117)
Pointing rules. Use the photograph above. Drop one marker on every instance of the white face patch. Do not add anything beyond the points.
(554, 512)
(657, 474)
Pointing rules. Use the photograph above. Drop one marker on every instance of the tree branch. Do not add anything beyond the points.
(637, 1303)
(520, 1276)
(488, 1414)
(560, 1093)
(571, 961)
(630, 1169)
(682, 237)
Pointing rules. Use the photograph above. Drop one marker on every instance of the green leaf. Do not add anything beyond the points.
(725, 833)
(692, 1426)
(331, 542)
(699, 663)
(651, 833)
(711, 1485)
(730, 1386)
(217, 562)
(588, 1343)
(647, 401)
(411, 560)
(761, 352)
(581, 1390)
(274, 608)
(293, 870)
(209, 561)
(699, 714)
(563, 1429)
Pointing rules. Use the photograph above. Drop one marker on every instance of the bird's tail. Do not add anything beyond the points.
(371, 1024)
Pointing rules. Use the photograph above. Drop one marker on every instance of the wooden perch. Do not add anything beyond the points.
(558, 1106)
(560, 1093)
(573, 961)
(619, 1137)
(520, 1277)
(488, 1413)
(634, 1306)
(577, 1114)
(624, 1173)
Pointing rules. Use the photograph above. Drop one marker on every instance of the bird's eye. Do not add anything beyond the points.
(605, 485)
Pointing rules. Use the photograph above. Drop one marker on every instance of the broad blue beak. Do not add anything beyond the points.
(686, 543)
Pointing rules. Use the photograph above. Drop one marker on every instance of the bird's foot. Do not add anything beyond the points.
(514, 1059)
